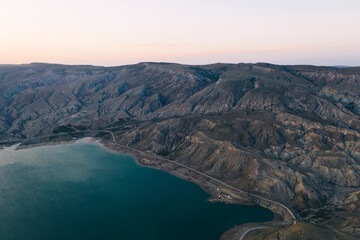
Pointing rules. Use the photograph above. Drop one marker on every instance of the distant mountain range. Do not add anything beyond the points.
(342, 66)
(290, 133)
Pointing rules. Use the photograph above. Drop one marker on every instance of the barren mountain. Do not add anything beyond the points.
(290, 133)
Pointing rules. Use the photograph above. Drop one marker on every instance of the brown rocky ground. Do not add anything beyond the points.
(289, 133)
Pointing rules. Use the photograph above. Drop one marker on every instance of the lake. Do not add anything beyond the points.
(83, 191)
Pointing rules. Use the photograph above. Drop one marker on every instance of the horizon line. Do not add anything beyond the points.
(177, 63)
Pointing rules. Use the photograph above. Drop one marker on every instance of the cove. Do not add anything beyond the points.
(83, 191)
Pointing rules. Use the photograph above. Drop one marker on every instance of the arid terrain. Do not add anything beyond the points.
(287, 133)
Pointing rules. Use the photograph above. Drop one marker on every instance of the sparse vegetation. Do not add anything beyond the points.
(63, 129)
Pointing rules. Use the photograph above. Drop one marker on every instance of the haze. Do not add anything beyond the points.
(110, 32)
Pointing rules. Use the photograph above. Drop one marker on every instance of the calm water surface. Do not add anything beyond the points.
(82, 191)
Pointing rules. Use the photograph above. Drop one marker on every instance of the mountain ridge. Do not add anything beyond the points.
(290, 133)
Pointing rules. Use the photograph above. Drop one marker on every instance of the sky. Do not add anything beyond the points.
(118, 32)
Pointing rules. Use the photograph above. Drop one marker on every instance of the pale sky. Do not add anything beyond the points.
(117, 32)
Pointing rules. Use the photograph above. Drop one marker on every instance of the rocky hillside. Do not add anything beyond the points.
(300, 231)
(290, 133)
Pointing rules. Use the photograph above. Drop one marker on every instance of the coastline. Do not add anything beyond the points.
(281, 217)
(217, 192)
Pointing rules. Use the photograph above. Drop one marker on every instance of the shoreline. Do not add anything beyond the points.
(140, 160)
(280, 217)
(216, 192)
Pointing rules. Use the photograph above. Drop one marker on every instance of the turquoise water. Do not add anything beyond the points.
(82, 191)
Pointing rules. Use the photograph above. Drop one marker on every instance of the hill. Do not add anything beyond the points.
(289, 133)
